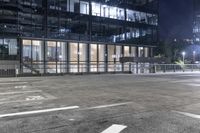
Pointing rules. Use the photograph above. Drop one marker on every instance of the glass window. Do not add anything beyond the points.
(61, 57)
(84, 7)
(96, 9)
(73, 49)
(120, 14)
(133, 51)
(83, 52)
(130, 15)
(101, 53)
(93, 53)
(12, 46)
(111, 58)
(63, 5)
(93, 57)
(146, 51)
(104, 11)
(74, 6)
(82, 57)
(26, 50)
(8, 49)
(111, 53)
(51, 51)
(37, 52)
(73, 52)
(118, 65)
(140, 52)
(118, 53)
(113, 12)
(101, 65)
(61, 51)
(143, 17)
(126, 51)
(38, 55)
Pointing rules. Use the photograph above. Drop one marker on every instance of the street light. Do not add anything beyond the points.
(194, 56)
(183, 54)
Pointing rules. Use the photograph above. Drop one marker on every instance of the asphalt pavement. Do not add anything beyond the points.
(107, 103)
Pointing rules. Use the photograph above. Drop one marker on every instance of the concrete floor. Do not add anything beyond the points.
(167, 103)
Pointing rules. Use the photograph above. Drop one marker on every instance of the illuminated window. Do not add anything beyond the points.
(93, 57)
(51, 51)
(133, 51)
(61, 51)
(84, 7)
(82, 52)
(73, 49)
(26, 50)
(126, 51)
(118, 53)
(37, 51)
(113, 12)
(96, 9)
(104, 11)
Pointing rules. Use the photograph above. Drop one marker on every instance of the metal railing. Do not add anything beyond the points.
(9, 70)
(134, 68)
(166, 68)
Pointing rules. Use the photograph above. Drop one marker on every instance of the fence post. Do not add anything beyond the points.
(174, 68)
(164, 68)
(192, 68)
(16, 71)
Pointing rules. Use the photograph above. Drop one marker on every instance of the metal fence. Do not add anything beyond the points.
(134, 68)
(166, 68)
(163, 68)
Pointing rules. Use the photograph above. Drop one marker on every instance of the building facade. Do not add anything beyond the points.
(76, 36)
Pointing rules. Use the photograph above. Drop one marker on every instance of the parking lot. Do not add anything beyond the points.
(108, 103)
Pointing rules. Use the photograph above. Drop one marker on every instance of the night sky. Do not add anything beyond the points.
(176, 19)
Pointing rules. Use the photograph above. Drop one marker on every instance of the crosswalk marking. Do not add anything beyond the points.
(115, 129)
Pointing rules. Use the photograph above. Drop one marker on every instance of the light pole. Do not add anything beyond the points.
(183, 54)
(194, 56)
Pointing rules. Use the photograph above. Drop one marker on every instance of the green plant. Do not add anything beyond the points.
(180, 63)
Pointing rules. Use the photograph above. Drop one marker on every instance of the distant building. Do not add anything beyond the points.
(75, 36)
(196, 27)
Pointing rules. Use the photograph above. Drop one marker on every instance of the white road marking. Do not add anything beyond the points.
(14, 83)
(38, 111)
(109, 105)
(19, 92)
(193, 85)
(19, 87)
(188, 114)
(32, 98)
(114, 129)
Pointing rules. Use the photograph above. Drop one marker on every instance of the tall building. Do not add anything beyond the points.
(73, 36)
(196, 27)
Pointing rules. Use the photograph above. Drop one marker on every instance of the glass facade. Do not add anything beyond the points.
(76, 36)
(71, 57)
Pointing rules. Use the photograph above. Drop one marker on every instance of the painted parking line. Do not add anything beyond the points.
(107, 106)
(19, 92)
(115, 129)
(188, 114)
(38, 111)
